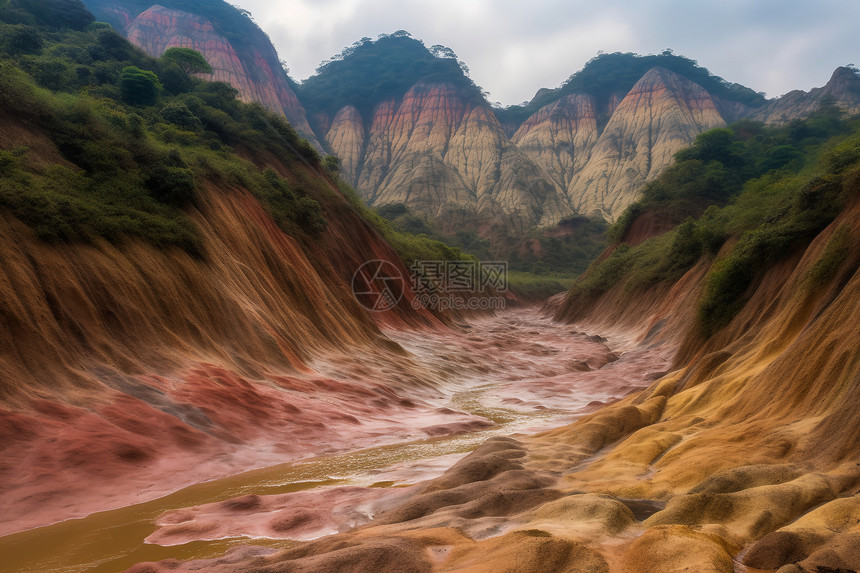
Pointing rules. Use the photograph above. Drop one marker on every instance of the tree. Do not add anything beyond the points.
(441, 51)
(189, 61)
(179, 115)
(331, 163)
(138, 87)
(174, 80)
(713, 145)
(170, 185)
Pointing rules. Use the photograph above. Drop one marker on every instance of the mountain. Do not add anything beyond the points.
(583, 153)
(410, 127)
(238, 51)
(661, 114)
(587, 147)
(443, 157)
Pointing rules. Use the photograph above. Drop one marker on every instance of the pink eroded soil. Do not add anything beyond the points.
(140, 437)
(516, 362)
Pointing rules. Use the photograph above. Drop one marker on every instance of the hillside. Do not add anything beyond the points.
(370, 72)
(586, 148)
(607, 77)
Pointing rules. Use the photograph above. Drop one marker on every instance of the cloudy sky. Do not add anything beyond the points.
(515, 47)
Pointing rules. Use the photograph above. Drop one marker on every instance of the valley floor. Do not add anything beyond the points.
(409, 416)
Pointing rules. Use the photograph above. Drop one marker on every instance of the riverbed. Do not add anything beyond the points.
(516, 372)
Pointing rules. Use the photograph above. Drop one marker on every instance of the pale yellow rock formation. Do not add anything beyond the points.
(346, 140)
(445, 157)
(560, 137)
(661, 115)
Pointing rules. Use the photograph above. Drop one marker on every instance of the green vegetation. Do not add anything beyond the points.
(531, 287)
(139, 87)
(231, 22)
(563, 251)
(614, 74)
(415, 240)
(559, 253)
(187, 60)
(131, 154)
(834, 254)
(68, 14)
(130, 139)
(772, 189)
(411, 247)
(370, 72)
(403, 219)
(136, 136)
(721, 161)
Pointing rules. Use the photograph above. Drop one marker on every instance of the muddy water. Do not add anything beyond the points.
(517, 370)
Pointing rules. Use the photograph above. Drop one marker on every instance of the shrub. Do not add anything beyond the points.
(175, 81)
(138, 87)
(779, 157)
(10, 160)
(686, 250)
(113, 46)
(602, 277)
(727, 282)
(51, 74)
(59, 13)
(331, 163)
(170, 185)
(188, 60)
(839, 157)
(178, 114)
(309, 216)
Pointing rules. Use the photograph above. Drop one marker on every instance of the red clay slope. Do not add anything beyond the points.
(127, 371)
